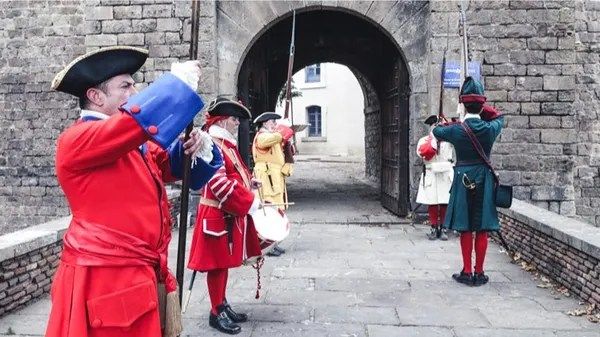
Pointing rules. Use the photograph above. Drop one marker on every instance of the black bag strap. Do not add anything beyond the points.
(479, 149)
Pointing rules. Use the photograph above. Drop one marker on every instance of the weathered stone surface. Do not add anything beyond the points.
(538, 57)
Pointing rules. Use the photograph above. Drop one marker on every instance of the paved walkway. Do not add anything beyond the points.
(352, 269)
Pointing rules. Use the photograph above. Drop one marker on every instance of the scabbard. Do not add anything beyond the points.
(229, 220)
(269, 176)
(471, 195)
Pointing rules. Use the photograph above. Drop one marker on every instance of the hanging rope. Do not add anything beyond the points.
(259, 263)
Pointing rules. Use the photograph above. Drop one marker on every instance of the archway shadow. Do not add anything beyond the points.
(347, 38)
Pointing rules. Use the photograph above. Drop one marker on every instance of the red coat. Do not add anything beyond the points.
(93, 161)
(230, 188)
(112, 172)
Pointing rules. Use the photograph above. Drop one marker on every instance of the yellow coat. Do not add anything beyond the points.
(270, 166)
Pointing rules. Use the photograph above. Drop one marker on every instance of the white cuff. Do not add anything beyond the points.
(205, 152)
(187, 72)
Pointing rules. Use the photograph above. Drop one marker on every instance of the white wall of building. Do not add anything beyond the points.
(340, 97)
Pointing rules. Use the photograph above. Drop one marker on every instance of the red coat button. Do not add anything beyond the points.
(97, 323)
(152, 129)
(135, 109)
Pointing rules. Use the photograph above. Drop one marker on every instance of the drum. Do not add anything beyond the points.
(272, 226)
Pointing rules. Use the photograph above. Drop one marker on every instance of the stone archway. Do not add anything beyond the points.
(385, 46)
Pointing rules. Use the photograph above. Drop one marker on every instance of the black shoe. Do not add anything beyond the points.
(432, 234)
(273, 252)
(279, 249)
(464, 278)
(235, 317)
(480, 279)
(223, 323)
(442, 235)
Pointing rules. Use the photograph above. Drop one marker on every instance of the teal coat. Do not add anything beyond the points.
(483, 209)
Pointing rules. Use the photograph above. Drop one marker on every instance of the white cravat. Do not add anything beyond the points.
(91, 113)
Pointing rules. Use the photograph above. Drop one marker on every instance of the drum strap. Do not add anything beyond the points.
(209, 202)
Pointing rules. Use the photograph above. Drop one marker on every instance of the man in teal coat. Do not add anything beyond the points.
(471, 207)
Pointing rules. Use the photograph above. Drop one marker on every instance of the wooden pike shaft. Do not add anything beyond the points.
(187, 163)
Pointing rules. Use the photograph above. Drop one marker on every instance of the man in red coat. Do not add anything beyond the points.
(224, 235)
(112, 164)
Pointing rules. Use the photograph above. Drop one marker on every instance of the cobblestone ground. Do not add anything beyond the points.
(353, 269)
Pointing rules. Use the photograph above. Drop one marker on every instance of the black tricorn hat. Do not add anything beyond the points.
(97, 66)
(222, 106)
(265, 116)
(431, 120)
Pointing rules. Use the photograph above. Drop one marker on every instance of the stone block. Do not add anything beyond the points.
(559, 136)
(544, 96)
(169, 24)
(567, 42)
(568, 122)
(128, 12)
(552, 193)
(540, 69)
(528, 83)
(557, 108)
(545, 122)
(515, 31)
(544, 43)
(517, 122)
(508, 108)
(567, 96)
(510, 177)
(530, 108)
(143, 25)
(157, 11)
(155, 38)
(526, 56)
(116, 26)
(519, 96)
(511, 44)
(114, 2)
(496, 57)
(500, 82)
(588, 58)
(496, 95)
(560, 57)
(510, 69)
(559, 82)
(101, 40)
(99, 13)
(136, 39)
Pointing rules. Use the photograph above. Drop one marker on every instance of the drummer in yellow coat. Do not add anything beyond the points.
(269, 161)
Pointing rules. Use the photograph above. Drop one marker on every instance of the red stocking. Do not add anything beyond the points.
(216, 281)
(466, 247)
(225, 284)
(481, 243)
(436, 217)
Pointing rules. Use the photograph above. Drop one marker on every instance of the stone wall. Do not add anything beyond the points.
(540, 66)
(29, 257)
(36, 40)
(587, 107)
(566, 250)
(26, 277)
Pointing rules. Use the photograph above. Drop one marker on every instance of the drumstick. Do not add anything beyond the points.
(262, 201)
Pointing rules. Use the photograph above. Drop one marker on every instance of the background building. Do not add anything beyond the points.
(332, 103)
